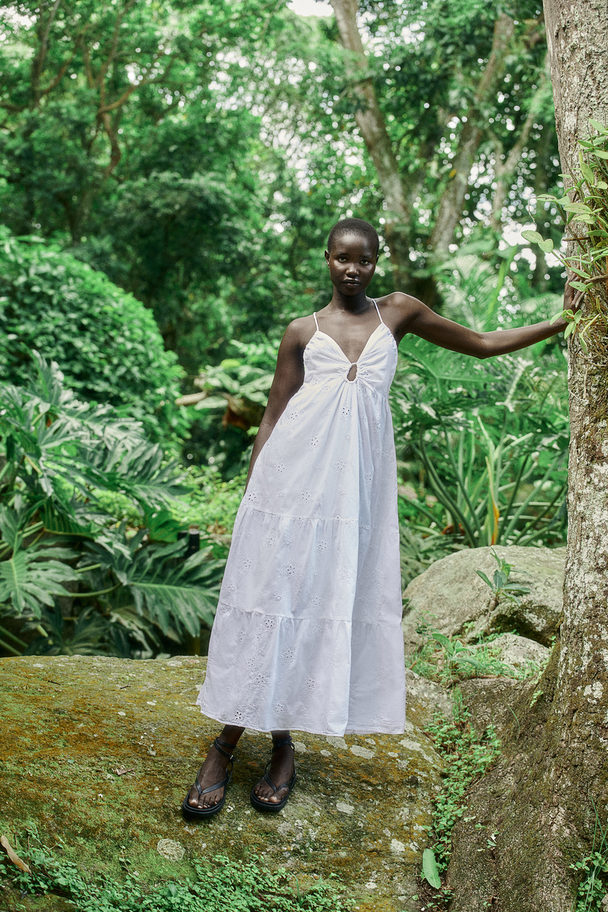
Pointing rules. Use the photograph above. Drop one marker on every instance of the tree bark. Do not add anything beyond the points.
(542, 799)
(372, 125)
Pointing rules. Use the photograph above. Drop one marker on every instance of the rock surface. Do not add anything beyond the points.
(99, 752)
(451, 598)
(518, 652)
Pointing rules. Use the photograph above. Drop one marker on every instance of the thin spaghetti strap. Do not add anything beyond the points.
(377, 311)
(316, 322)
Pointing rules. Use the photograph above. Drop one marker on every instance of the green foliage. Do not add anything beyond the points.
(207, 148)
(241, 381)
(448, 659)
(211, 503)
(229, 408)
(499, 584)
(466, 755)
(165, 181)
(106, 342)
(437, 85)
(585, 207)
(72, 577)
(488, 446)
(216, 886)
(593, 872)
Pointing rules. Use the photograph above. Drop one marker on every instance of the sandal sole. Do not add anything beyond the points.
(194, 813)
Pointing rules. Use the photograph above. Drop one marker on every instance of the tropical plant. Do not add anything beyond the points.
(585, 207)
(228, 408)
(73, 577)
(484, 447)
(499, 584)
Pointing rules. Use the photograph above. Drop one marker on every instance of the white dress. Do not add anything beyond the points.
(307, 633)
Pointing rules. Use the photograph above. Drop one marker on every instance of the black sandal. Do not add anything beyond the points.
(272, 806)
(191, 812)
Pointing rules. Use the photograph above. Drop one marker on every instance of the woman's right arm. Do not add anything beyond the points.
(288, 378)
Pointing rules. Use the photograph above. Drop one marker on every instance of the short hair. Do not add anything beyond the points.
(354, 226)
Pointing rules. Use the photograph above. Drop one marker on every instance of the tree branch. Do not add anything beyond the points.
(40, 57)
(452, 200)
(372, 125)
(505, 171)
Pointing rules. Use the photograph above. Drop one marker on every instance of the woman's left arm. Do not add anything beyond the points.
(422, 321)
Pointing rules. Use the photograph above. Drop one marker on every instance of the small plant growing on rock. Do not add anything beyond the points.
(499, 584)
(447, 659)
(243, 886)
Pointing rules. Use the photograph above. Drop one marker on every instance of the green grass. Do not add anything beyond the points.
(218, 886)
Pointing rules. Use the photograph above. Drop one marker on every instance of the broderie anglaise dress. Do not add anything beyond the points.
(307, 633)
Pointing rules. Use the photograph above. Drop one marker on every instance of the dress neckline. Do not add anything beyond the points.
(321, 332)
(339, 347)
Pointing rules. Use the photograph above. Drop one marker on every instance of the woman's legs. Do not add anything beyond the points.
(281, 769)
(214, 769)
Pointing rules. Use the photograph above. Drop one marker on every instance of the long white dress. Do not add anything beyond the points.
(307, 633)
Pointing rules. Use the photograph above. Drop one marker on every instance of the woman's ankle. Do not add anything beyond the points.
(229, 736)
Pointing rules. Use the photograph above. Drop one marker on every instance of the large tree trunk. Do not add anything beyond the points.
(541, 799)
(370, 121)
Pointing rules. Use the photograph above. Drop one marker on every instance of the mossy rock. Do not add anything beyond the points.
(99, 753)
(451, 598)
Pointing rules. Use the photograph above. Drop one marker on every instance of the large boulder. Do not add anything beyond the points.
(99, 753)
(451, 598)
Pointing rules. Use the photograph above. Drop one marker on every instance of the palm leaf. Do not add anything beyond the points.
(34, 573)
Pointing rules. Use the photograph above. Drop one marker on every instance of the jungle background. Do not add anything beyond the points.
(168, 176)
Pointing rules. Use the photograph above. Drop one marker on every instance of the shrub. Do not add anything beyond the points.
(105, 341)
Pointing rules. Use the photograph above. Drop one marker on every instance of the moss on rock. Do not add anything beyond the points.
(99, 753)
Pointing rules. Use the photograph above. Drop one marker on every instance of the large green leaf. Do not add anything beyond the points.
(177, 594)
(33, 576)
(69, 453)
(430, 871)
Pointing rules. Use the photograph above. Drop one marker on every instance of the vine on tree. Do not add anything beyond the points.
(585, 204)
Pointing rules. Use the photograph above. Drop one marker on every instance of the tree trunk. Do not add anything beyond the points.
(541, 800)
(370, 121)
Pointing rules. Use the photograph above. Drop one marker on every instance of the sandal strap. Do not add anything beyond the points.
(282, 742)
(219, 745)
(212, 788)
(277, 788)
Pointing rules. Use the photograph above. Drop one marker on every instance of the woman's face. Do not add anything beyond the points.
(352, 262)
